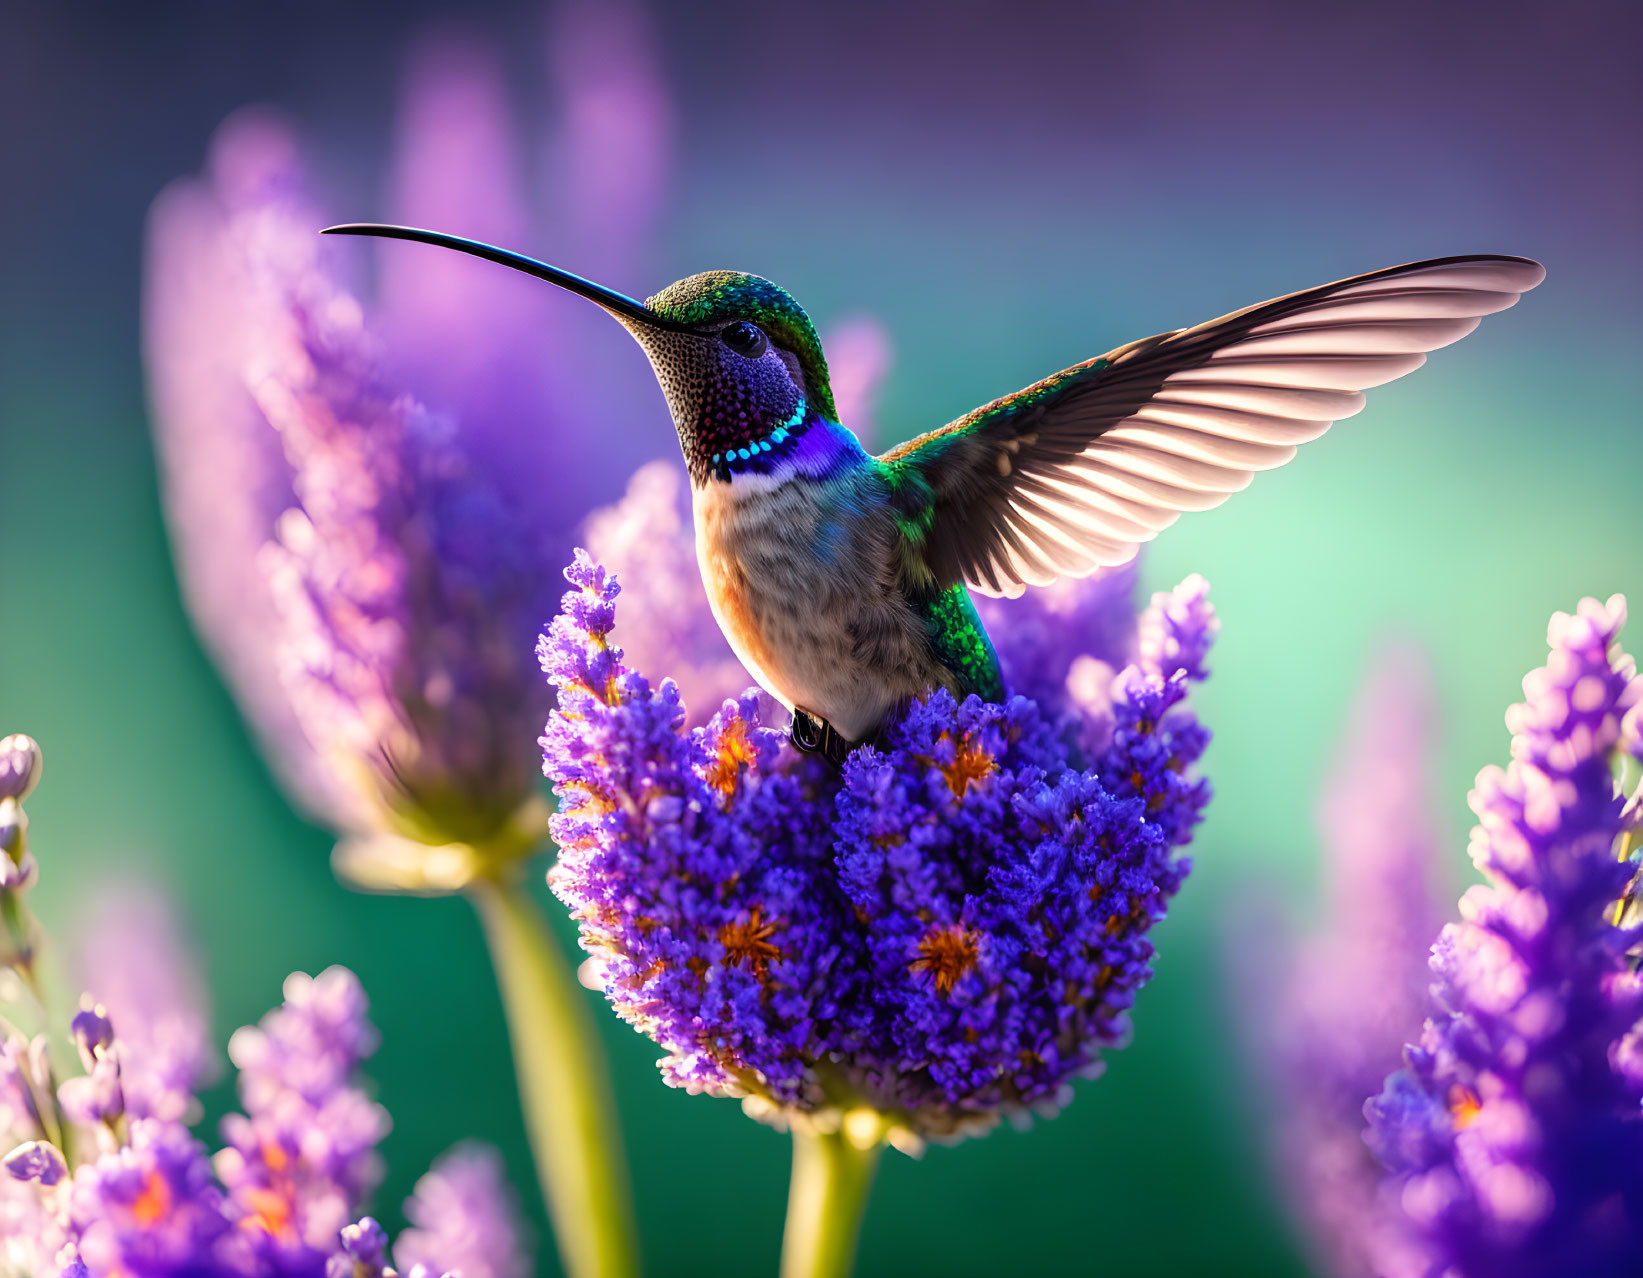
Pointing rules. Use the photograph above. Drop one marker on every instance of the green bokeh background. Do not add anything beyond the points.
(1010, 189)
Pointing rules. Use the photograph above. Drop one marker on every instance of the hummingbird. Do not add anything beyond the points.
(842, 579)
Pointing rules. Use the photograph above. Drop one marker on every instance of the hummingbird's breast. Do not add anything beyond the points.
(801, 575)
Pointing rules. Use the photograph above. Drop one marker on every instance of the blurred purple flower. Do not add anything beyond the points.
(149, 1207)
(301, 1160)
(463, 1219)
(19, 772)
(859, 354)
(953, 929)
(1512, 1139)
(1350, 990)
(36, 1160)
(508, 357)
(397, 622)
(95, 1098)
(364, 1247)
(223, 470)
(136, 960)
(368, 599)
(101, 1178)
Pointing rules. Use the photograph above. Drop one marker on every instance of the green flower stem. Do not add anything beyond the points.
(569, 1111)
(825, 1202)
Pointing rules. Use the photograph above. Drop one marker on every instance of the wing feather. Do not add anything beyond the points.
(1076, 471)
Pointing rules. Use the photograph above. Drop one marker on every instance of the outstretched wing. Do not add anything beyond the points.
(1076, 471)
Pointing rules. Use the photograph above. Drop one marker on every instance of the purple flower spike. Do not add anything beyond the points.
(302, 1158)
(97, 1096)
(859, 354)
(342, 545)
(953, 928)
(365, 1241)
(1350, 991)
(36, 1160)
(149, 1207)
(464, 1219)
(134, 959)
(19, 774)
(464, 336)
(19, 766)
(1512, 1139)
(612, 155)
(146, 1200)
(222, 469)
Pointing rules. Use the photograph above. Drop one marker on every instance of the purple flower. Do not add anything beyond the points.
(1350, 991)
(394, 576)
(301, 1159)
(96, 1097)
(367, 572)
(19, 767)
(150, 1207)
(464, 1219)
(36, 1160)
(104, 1180)
(1512, 1139)
(1031, 632)
(953, 928)
(364, 1247)
(135, 960)
(859, 354)
(19, 773)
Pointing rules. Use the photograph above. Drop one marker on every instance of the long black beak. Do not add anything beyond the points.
(618, 304)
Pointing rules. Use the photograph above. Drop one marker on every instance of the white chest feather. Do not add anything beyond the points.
(799, 578)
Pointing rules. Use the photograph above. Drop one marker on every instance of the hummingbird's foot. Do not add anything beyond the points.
(812, 734)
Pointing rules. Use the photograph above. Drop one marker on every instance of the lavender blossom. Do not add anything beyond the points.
(19, 773)
(301, 1160)
(135, 960)
(101, 1178)
(463, 1219)
(97, 1097)
(461, 333)
(859, 354)
(953, 929)
(36, 1160)
(223, 471)
(475, 341)
(1350, 990)
(397, 620)
(366, 572)
(150, 1206)
(1512, 1139)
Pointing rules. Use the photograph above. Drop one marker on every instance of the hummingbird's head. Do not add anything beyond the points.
(736, 356)
(741, 367)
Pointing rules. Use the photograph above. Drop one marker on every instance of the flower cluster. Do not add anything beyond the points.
(356, 506)
(19, 772)
(397, 609)
(1513, 1138)
(953, 928)
(103, 1177)
(1349, 991)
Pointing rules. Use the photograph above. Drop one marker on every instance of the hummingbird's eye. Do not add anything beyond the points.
(747, 340)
